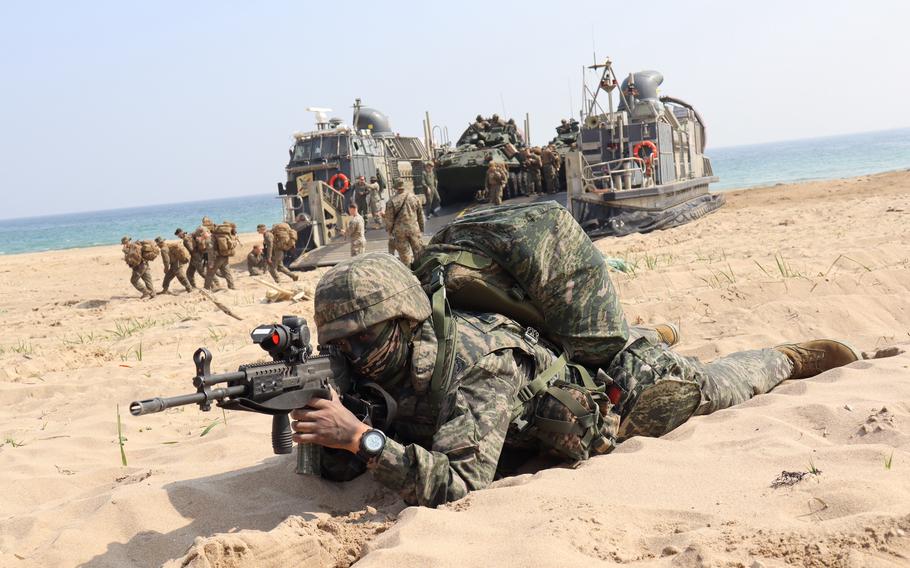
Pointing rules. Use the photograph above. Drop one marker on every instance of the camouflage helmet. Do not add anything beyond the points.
(159, 241)
(365, 290)
(124, 239)
(479, 118)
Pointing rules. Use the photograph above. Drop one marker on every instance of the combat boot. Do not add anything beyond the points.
(668, 332)
(813, 357)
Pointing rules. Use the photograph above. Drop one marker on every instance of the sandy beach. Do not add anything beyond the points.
(779, 264)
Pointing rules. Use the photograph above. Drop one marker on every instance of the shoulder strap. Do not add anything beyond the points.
(446, 331)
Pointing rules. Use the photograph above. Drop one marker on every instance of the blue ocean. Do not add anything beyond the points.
(737, 167)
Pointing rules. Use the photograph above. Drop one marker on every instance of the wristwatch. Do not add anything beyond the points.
(372, 442)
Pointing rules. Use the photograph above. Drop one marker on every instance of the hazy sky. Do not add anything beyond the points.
(115, 104)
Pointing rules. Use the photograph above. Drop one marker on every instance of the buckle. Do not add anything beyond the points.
(525, 393)
(532, 336)
(437, 279)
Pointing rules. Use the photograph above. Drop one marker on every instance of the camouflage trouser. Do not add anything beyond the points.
(357, 247)
(219, 266)
(664, 389)
(175, 271)
(141, 279)
(375, 210)
(195, 267)
(277, 265)
(255, 271)
(495, 193)
(550, 173)
(433, 201)
(536, 181)
(408, 245)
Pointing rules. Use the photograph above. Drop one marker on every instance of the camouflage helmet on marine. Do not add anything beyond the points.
(366, 290)
(124, 240)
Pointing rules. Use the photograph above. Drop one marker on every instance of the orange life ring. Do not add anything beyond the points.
(636, 150)
(344, 180)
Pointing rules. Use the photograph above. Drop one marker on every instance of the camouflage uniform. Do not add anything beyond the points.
(432, 185)
(217, 264)
(358, 195)
(375, 201)
(535, 178)
(141, 277)
(276, 256)
(550, 162)
(173, 268)
(355, 233)
(255, 263)
(443, 450)
(197, 261)
(404, 222)
(494, 182)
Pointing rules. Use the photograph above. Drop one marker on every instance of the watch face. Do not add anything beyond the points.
(373, 442)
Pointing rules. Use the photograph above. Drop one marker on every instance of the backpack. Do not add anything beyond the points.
(149, 250)
(535, 265)
(224, 240)
(134, 255)
(285, 236)
(532, 263)
(178, 252)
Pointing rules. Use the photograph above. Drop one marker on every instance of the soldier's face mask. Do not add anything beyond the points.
(379, 352)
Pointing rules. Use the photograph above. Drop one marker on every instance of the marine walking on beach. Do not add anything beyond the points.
(275, 247)
(137, 256)
(174, 257)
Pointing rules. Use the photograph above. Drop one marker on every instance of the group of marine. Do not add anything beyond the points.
(207, 251)
(539, 171)
(402, 217)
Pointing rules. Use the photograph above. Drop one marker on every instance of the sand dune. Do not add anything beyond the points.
(774, 265)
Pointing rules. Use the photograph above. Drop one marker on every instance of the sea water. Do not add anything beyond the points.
(737, 167)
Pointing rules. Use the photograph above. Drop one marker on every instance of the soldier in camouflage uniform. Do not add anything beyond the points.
(355, 230)
(495, 179)
(141, 277)
(432, 185)
(173, 267)
(374, 199)
(217, 264)
(404, 222)
(274, 257)
(550, 162)
(255, 261)
(197, 262)
(535, 177)
(452, 427)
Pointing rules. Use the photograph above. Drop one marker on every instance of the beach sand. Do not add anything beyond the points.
(792, 262)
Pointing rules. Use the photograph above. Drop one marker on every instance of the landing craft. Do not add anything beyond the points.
(324, 163)
(642, 166)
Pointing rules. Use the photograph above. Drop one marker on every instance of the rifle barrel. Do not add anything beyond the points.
(157, 404)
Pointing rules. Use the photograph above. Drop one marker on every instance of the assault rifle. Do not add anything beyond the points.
(290, 380)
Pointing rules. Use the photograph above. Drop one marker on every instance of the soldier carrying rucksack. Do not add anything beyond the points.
(137, 256)
(220, 247)
(275, 243)
(174, 256)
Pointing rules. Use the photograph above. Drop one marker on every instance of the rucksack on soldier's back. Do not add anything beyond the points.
(224, 240)
(149, 250)
(534, 264)
(134, 255)
(177, 252)
(285, 236)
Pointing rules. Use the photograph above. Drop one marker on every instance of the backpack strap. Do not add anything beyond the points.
(446, 331)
